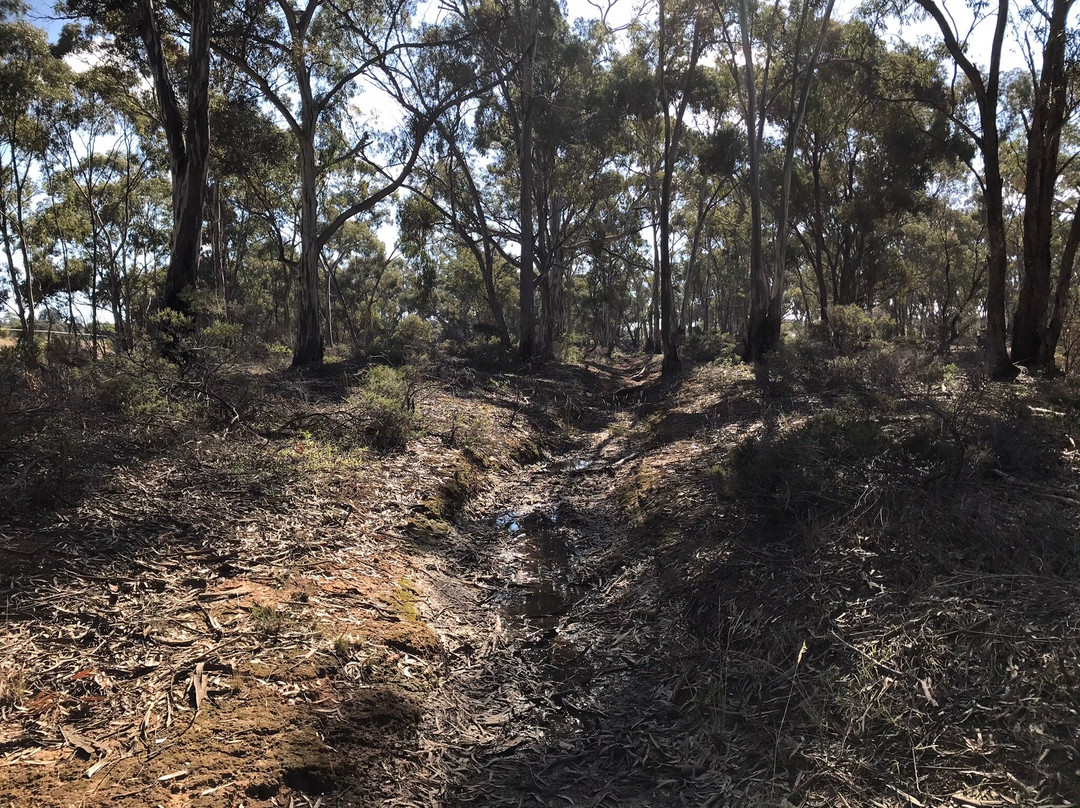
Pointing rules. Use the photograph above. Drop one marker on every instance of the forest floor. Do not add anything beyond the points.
(812, 585)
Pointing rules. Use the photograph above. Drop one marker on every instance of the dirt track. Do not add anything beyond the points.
(552, 695)
(578, 587)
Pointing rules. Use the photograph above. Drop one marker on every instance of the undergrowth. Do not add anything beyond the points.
(883, 578)
(68, 420)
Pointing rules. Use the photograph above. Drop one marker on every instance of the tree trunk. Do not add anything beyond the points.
(13, 276)
(703, 209)
(771, 328)
(526, 283)
(487, 269)
(353, 333)
(189, 146)
(652, 341)
(20, 224)
(819, 244)
(986, 93)
(668, 334)
(673, 127)
(1030, 321)
(548, 227)
(309, 341)
(217, 247)
(1048, 352)
(758, 327)
(997, 259)
(527, 309)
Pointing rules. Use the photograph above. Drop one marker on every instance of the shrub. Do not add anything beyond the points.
(267, 619)
(279, 354)
(132, 390)
(170, 331)
(944, 375)
(412, 341)
(708, 346)
(387, 395)
(572, 353)
(853, 328)
(71, 352)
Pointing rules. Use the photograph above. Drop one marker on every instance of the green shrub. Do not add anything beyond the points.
(572, 353)
(170, 331)
(709, 346)
(267, 619)
(853, 328)
(412, 341)
(279, 354)
(132, 395)
(386, 395)
(945, 375)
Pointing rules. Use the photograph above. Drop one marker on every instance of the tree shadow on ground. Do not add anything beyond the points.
(850, 606)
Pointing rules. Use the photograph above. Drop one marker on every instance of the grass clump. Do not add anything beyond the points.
(342, 646)
(267, 619)
(405, 596)
(12, 685)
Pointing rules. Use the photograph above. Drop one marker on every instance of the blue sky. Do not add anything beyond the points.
(42, 15)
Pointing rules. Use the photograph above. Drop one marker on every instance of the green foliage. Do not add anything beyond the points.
(139, 390)
(280, 354)
(168, 331)
(413, 340)
(710, 346)
(198, 350)
(387, 396)
(853, 328)
(879, 202)
(943, 375)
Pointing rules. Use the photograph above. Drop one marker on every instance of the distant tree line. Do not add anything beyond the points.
(708, 168)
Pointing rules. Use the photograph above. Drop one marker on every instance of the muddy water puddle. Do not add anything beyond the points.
(537, 562)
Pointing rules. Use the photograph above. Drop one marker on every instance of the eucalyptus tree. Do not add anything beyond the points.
(681, 37)
(33, 84)
(518, 32)
(151, 35)
(1064, 293)
(943, 253)
(978, 119)
(1051, 48)
(616, 294)
(366, 280)
(450, 180)
(864, 157)
(550, 133)
(633, 91)
(772, 54)
(577, 151)
(725, 264)
(101, 167)
(708, 177)
(313, 62)
(61, 229)
(254, 208)
(522, 117)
